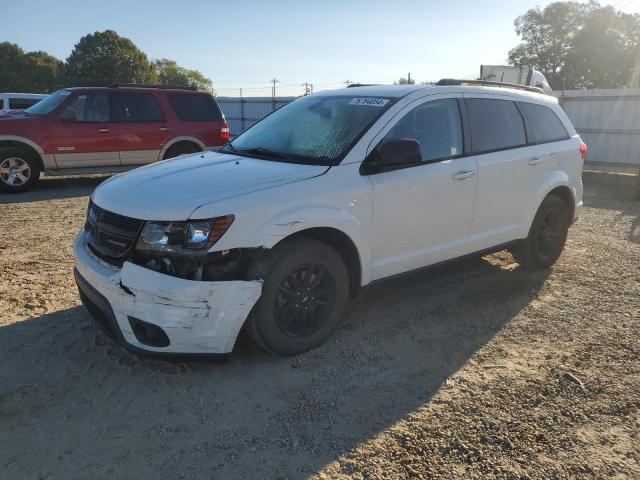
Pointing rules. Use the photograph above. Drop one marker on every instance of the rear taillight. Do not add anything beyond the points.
(224, 132)
(583, 150)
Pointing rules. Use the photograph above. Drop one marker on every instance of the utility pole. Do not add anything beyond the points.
(241, 112)
(273, 93)
(409, 78)
(635, 77)
(347, 82)
(308, 88)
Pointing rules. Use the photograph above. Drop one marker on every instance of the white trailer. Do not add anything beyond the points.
(521, 75)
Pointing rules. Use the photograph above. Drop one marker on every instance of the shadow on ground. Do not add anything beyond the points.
(73, 405)
(55, 187)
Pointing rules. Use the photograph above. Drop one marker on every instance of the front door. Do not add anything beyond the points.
(83, 135)
(423, 214)
(142, 127)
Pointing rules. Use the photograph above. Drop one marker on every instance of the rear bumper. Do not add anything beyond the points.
(200, 319)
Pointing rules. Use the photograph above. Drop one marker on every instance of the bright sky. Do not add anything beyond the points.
(245, 44)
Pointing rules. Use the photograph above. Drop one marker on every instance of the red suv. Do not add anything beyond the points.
(105, 130)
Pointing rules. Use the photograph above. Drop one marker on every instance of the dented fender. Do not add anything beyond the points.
(268, 232)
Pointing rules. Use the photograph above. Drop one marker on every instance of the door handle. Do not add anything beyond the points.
(164, 129)
(535, 161)
(464, 175)
(104, 130)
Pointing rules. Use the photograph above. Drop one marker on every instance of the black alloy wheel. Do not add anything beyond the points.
(305, 300)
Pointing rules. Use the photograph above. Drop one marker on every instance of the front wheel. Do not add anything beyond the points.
(304, 296)
(18, 170)
(547, 235)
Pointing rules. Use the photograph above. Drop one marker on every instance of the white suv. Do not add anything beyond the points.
(18, 101)
(330, 193)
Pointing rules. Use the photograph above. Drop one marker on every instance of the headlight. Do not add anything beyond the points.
(183, 237)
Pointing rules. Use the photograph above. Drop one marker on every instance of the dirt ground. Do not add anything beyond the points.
(477, 369)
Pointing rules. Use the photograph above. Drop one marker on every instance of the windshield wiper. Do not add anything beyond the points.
(228, 148)
(287, 157)
(262, 151)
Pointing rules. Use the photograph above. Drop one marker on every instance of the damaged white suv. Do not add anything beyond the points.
(325, 195)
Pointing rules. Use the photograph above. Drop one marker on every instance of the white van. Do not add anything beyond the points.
(18, 101)
(328, 194)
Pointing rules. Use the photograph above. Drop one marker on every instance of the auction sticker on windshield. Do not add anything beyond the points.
(369, 101)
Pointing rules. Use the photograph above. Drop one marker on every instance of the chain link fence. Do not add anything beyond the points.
(242, 112)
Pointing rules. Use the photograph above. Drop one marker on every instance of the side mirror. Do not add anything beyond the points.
(68, 115)
(393, 154)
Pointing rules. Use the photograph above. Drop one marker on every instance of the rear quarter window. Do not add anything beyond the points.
(193, 107)
(543, 125)
(495, 125)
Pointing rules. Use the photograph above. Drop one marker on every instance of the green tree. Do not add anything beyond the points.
(604, 50)
(11, 60)
(45, 72)
(105, 57)
(404, 81)
(578, 45)
(168, 72)
(33, 72)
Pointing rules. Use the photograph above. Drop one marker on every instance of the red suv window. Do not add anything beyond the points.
(190, 107)
(135, 107)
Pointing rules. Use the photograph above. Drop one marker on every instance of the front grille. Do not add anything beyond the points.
(111, 236)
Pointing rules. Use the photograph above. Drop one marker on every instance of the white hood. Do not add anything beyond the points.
(173, 189)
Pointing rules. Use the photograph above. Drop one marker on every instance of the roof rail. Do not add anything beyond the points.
(487, 83)
(351, 85)
(150, 85)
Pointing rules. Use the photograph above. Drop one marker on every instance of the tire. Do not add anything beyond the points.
(304, 296)
(180, 149)
(19, 170)
(547, 235)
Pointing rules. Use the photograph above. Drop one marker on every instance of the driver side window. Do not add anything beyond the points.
(90, 107)
(436, 126)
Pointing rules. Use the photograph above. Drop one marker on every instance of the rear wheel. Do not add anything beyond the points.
(547, 235)
(304, 296)
(19, 170)
(181, 149)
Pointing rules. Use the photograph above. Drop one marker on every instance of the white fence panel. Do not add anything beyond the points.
(608, 121)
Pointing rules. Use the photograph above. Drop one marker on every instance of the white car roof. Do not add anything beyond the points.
(398, 91)
(24, 95)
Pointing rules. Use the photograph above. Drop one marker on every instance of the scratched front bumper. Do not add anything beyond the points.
(198, 317)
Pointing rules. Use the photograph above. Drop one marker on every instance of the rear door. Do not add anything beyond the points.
(506, 178)
(142, 127)
(551, 145)
(422, 214)
(82, 134)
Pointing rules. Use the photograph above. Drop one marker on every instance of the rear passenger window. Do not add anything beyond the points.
(543, 125)
(135, 107)
(436, 127)
(495, 125)
(192, 107)
(22, 103)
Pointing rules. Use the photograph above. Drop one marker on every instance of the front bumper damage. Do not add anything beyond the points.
(196, 318)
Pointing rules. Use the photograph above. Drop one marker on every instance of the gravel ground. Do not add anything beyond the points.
(477, 369)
